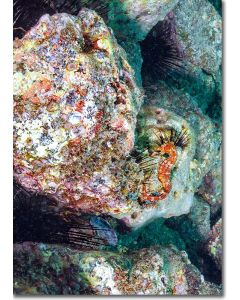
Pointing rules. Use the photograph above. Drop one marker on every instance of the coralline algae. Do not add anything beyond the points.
(158, 270)
(214, 245)
(75, 106)
(83, 139)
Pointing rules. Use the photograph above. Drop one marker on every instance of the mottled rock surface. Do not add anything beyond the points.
(75, 106)
(215, 243)
(57, 270)
(131, 20)
(83, 138)
(211, 187)
(208, 135)
(200, 218)
(199, 28)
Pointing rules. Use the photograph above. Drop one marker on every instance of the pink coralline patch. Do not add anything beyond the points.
(120, 125)
(75, 107)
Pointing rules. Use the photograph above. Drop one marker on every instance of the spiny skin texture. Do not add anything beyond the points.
(75, 106)
(154, 271)
(169, 141)
(164, 172)
(161, 51)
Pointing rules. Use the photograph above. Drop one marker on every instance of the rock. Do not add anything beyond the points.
(164, 59)
(210, 289)
(214, 245)
(211, 187)
(195, 230)
(41, 269)
(145, 15)
(75, 106)
(208, 135)
(164, 271)
(131, 21)
(200, 218)
(218, 5)
(165, 192)
(199, 28)
(74, 120)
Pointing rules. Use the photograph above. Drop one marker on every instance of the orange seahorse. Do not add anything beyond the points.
(167, 150)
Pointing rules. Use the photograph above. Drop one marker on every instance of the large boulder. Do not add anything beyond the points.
(75, 107)
(41, 269)
(199, 29)
(207, 133)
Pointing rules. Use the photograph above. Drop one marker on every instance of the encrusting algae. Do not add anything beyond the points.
(75, 106)
(75, 112)
(117, 191)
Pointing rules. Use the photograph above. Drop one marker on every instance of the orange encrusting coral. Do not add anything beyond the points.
(164, 172)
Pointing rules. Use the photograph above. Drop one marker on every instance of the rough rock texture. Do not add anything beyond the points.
(210, 289)
(199, 28)
(200, 217)
(53, 270)
(155, 124)
(211, 187)
(164, 58)
(215, 243)
(145, 14)
(131, 20)
(75, 106)
(208, 136)
(218, 5)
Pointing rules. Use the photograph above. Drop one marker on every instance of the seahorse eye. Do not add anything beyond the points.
(166, 155)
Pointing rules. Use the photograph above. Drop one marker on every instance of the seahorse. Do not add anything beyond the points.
(168, 141)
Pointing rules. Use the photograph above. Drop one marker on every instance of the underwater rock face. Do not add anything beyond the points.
(75, 106)
(207, 134)
(103, 186)
(131, 20)
(166, 145)
(146, 14)
(200, 217)
(199, 28)
(57, 270)
(156, 179)
(214, 245)
(211, 187)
